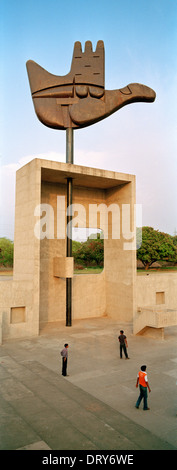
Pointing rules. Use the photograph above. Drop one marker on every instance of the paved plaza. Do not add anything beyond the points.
(94, 407)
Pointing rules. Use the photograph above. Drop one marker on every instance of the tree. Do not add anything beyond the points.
(90, 253)
(75, 246)
(175, 240)
(156, 246)
(6, 252)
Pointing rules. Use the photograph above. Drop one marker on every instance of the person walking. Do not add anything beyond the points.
(123, 344)
(64, 354)
(143, 386)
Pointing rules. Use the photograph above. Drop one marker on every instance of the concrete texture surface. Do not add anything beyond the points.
(101, 199)
(94, 407)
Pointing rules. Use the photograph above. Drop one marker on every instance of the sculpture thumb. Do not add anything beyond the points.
(90, 110)
(132, 93)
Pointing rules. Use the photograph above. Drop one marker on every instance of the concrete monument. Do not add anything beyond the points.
(44, 289)
(77, 100)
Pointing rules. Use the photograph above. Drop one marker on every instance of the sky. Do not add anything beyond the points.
(140, 39)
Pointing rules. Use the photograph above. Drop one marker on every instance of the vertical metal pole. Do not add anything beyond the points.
(69, 159)
(69, 145)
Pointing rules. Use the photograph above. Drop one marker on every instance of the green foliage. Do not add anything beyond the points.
(75, 246)
(175, 240)
(6, 252)
(89, 253)
(156, 246)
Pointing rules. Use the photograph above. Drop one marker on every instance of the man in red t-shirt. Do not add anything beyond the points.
(143, 385)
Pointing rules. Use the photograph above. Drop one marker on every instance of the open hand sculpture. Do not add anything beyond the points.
(79, 98)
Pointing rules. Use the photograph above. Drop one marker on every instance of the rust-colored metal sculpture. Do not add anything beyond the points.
(79, 98)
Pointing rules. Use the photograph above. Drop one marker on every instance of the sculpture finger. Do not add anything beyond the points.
(88, 67)
(88, 47)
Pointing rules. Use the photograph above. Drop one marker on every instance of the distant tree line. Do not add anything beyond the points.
(152, 246)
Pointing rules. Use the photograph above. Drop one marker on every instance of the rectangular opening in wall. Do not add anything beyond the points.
(160, 298)
(88, 250)
(17, 315)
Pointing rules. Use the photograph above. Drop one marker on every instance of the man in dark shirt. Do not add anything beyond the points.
(123, 344)
(64, 354)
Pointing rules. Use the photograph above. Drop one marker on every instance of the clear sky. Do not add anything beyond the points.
(140, 38)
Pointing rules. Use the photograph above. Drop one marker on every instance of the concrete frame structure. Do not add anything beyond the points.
(36, 295)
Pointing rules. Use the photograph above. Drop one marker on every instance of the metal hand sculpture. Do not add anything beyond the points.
(79, 98)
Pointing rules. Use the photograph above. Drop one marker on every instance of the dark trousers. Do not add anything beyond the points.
(142, 395)
(64, 366)
(123, 346)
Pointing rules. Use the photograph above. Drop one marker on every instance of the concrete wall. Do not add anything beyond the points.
(52, 289)
(17, 310)
(120, 263)
(152, 287)
(19, 299)
(36, 295)
(110, 293)
(89, 299)
(156, 304)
